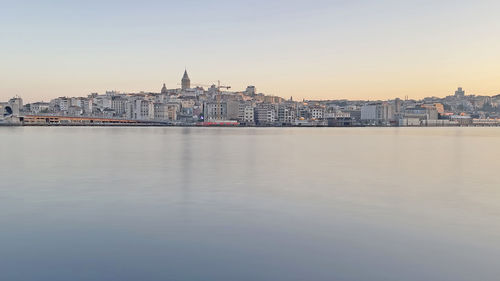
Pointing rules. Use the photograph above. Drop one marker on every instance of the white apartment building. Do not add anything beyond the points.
(286, 114)
(317, 112)
(143, 110)
(118, 104)
(248, 114)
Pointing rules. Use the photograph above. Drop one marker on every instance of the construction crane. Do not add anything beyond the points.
(218, 86)
(217, 98)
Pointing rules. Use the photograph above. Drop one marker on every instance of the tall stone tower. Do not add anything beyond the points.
(186, 83)
(459, 93)
(164, 89)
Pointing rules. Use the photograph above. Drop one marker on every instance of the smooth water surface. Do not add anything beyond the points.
(249, 204)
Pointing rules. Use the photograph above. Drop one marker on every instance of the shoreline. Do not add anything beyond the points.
(232, 126)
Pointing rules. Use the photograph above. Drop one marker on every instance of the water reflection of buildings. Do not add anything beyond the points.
(186, 162)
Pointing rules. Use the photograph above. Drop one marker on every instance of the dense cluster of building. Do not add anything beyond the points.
(217, 105)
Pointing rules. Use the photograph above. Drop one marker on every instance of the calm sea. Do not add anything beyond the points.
(249, 204)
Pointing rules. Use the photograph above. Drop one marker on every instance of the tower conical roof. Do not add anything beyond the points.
(185, 76)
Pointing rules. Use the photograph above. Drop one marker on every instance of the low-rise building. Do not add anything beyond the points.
(39, 107)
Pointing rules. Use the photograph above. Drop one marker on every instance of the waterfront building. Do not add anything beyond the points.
(338, 119)
(143, 110)
(215, 111)
(233, 109)
(409, 122)
(303, 112)
(378, 113)
(398, 106)
(286, 114)
(118, 104)
(161, 111)
(265, 114)
(248, 115)
(317, 112)
(421, 113)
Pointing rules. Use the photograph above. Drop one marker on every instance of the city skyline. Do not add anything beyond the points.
(210, 105)
(185, 83)
(312, 50)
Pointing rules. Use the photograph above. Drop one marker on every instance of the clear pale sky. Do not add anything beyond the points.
(305, 49)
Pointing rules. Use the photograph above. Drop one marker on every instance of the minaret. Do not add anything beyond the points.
(164, 89)
(186, 83)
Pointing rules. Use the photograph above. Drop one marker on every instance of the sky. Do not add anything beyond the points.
(311, 49)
